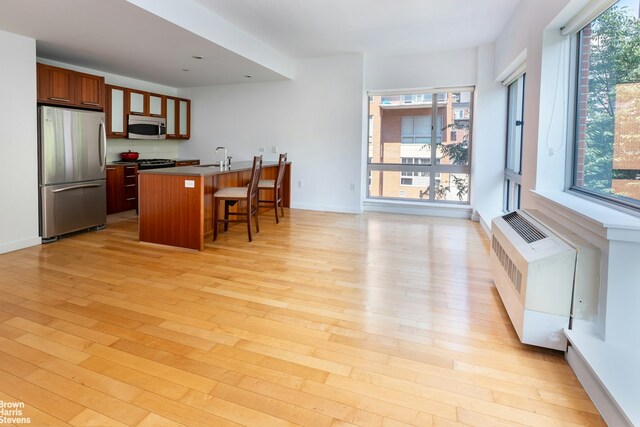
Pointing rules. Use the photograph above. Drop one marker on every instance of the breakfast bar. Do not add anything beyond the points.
(176, 204)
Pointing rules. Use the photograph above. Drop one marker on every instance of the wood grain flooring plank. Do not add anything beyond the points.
(102, 403)
(136, 378)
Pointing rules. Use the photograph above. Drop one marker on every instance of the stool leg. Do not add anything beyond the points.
(226, 215)
(255, 209)
(281, 200)
(275, 204)
(215, 218)
(249, 219)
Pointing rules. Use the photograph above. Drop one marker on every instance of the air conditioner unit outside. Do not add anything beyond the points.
(533, 270)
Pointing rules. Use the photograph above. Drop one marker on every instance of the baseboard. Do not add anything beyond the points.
(449, 211)
(485, 226)
(326, 208)
(19, 244)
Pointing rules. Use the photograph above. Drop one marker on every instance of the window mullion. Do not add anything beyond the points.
(434, 123)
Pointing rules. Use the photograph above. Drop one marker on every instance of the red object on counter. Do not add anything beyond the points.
(129, 155)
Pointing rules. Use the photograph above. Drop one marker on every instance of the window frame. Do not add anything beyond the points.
(512, 177)
(434, 169)
(575, 71)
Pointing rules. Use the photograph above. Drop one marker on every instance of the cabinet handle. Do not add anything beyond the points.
(90, 103)
(136, 113)
(130, 185)
(130, 176)
(59, 99)
(131, 198)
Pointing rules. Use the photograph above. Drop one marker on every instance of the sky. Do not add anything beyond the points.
(631, 6)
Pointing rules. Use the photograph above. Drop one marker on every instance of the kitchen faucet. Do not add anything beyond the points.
(226, 159)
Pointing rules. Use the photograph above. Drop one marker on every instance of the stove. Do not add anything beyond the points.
(144, 164)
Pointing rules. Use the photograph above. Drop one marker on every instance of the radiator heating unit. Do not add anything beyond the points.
(533, 269)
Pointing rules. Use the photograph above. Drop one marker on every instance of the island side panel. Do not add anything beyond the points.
(170, 212)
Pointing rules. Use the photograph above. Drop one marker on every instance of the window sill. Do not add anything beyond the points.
(613, 367)
(418, 208)
(606, 222)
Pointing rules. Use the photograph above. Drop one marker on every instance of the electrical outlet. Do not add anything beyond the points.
(189, 183)
(299, 184)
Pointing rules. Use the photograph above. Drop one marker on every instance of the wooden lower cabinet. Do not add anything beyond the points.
(122, 188)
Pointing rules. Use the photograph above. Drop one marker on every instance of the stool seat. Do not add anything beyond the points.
(232, 192)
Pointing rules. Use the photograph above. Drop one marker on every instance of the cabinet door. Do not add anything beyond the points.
(156, 105)
(116, 118)
(171, 112)
(137, 102)
(55, 85)
(115, 179)
(184, 125)
(89, 91)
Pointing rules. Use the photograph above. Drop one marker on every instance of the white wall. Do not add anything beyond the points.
(524, 32)
(18, 143)
(489, 134)
(316, 118)
(420, 70)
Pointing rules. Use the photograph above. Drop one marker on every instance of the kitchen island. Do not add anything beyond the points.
(176, 204)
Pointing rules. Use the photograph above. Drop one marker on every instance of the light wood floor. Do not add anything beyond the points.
(324, 320)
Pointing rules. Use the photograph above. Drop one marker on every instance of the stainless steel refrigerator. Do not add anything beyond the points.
(72, 177)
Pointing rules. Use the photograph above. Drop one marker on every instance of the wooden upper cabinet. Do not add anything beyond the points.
(137, 102)
(116, 111)
(157, 106)
(89, 90)
(184, 119)
(60, 86)
(55, 85)
(172, 113)
(178, 112)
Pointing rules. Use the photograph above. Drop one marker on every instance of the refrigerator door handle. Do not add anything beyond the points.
(102, 145)
(75, 187)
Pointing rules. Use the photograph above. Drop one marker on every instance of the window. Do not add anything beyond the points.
(513, 164)
(409, 157)
(606, 158)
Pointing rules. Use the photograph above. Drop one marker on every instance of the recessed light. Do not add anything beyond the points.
(197, 57)
(185, 69)
(248, 76)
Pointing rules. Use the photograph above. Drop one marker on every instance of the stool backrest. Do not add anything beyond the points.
(255, 177)
(282, 160)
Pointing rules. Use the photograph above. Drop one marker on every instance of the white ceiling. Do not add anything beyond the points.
(119, 37)
(307, 28)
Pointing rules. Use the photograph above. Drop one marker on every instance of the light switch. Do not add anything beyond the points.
(189, 183)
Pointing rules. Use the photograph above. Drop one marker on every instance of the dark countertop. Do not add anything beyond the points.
(120, 163)
(205, 170)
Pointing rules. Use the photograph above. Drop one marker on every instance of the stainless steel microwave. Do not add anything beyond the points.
(143, 127)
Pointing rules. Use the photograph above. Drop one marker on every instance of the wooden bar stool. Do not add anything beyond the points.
(233, 195)
(276, 186)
